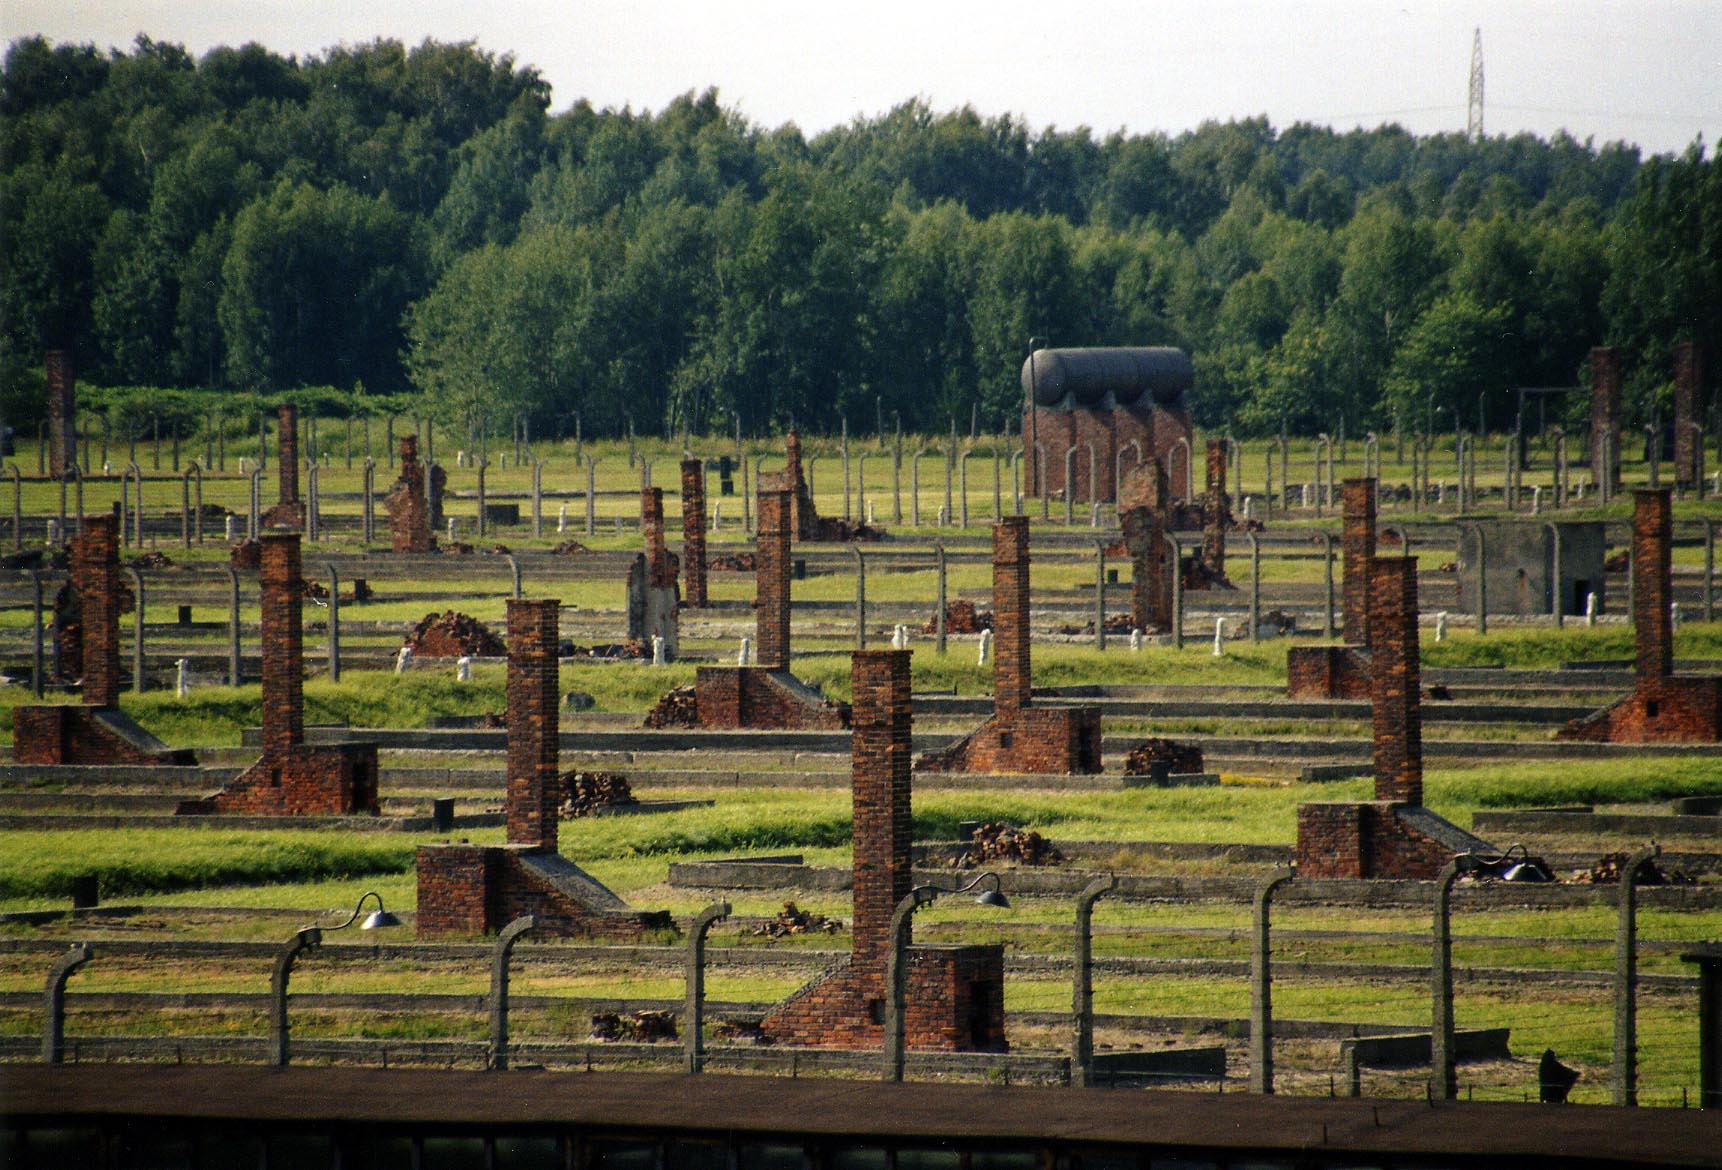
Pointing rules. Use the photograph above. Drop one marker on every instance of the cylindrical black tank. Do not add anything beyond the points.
(1065, 379)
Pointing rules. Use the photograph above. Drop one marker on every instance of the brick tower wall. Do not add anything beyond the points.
(1652, 563)
(533, 723)
(62, 411)
(287, 453)
(881, 758)
(1396, 680)
(771, 601)
(410, 526)
(1604, 410)
(283, 643)
(1012, 679)
(1150, 580)
(1688, 411)
(694, 532)
(1218, 512)
(95, 573)
(1357, 549)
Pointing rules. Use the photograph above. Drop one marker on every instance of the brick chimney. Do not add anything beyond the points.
(534, 787)
(652, 529)
(95, 574)
(1218, 510)
(771, 602)
(62, 411)
(1688, 380)
(694, 532)
(1652, 622)
(283, 642)
(1604, 410)
(880, 748)
(1395, 680)
(287, 453)
(1012, 684)
(1357, 549)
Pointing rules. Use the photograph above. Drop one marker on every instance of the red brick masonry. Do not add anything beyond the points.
(289, 512)
(1143, 506)
(1342, 672)
(694, 533)
(1663, 707)
(955, 997)
(411, 529)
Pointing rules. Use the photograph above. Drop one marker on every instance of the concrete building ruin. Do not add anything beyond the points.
(1106, 400)
(955, 994)
(1521, 575)
(478, 889)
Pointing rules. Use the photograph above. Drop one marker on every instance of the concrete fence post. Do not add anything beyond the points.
(137, 631)
(1255, 584)
(939, 612)
(1625, 1067)
(334, 621)
(54, 1001)
(1177, 591)
(313, 502)
(537, 496)
(860, 598)
(1082, 984)
(301, 941)
(694, 1008)
(1557, 603)
(592, 492)
(1069, 484)
(1262, 989)
(234, 677)
(896, 977)
(254, 503)
(1099, 595)
(483, 517)
(1443, 1080)
(1482, 580)
(497, 1055)
(1709, 570)
(367, 501)
(514, 576)
(1327, 584)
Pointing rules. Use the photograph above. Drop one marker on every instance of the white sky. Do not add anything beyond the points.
(1646, 71)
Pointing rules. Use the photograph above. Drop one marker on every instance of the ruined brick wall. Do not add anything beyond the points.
(733, 697)
(411, 529)
(880, 754)
(952, 1002)
(1217, 510)
(1688, 414)
(802, 521)
(771, 601)
(1150, 571)
(1155, 431)
(63, 734)
(694, 533)
(1605, 411)
(534, 792)
(455, 890)
(1094, 482)
(1012, 678)
(1362, 839)
(1327, 672)
(283, 637)
(95, 579)
(62, 411)
(478, 889)
(1357, 549)
(289, 511)
(1055, 741)
(1395, 699)
(327, 780)
(1055, 431)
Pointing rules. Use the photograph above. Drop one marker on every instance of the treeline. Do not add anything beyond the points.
(385, 220)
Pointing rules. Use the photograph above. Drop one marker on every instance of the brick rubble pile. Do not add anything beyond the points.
(1184, 757)
(585, 793)
(995, 843)
(453, 635)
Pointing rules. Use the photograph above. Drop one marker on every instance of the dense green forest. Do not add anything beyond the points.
(386, 220)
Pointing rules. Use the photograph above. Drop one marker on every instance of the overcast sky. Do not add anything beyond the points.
(1647, 71)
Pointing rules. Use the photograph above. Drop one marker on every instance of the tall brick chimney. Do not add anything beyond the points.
(1142, 499)
(95, 574)
(694, 532)
(880, 747)
(534, 788)
(287, 453)
(1652, 621)
(1688, 380)
(652, 530)
(1357, 549)
(1218, 510)
(62, 411)
(283, 642)
(1604, 411)
(1012, 683)
(771, 602)
(1395, 680)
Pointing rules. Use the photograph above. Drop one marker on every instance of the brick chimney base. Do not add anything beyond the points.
(87, 735)
(954, 1002)
(328, 780)
(478, 889)
(1043, 740)
(1327, 672)
(1674, 709)
(1377, 839)
(731, 697)
(287, 514)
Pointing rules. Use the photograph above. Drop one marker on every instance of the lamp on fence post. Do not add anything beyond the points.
(304, 939)
(896, 959)
(54, 1000)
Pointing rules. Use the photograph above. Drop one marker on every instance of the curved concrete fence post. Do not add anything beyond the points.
(289, 953)
(1625, 1065)
(1443, 1081)
(233, 668)
(54, 1000)
(513, 575)
(1082, 984)
(497, 1054)
(137, 631)
(860, 598)
(1177, 591)
(693, 1009)
(1261, 988)
(334, 621)
(1255, 583)
(939, 612)
(1557, 604)
(1327, 584)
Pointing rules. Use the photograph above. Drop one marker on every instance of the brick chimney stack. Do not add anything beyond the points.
(287, 453)
(1688, 442)
(1395, 680)
(95, 575)
(283, 642)
(652, 530)
(534, 786)
(880, 748)
(1012, 684)
(694, 532)
(771, 602)
(1604, 411)
(1218, 510)
(62, 411)
(1652, 621)
(1357, 550)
